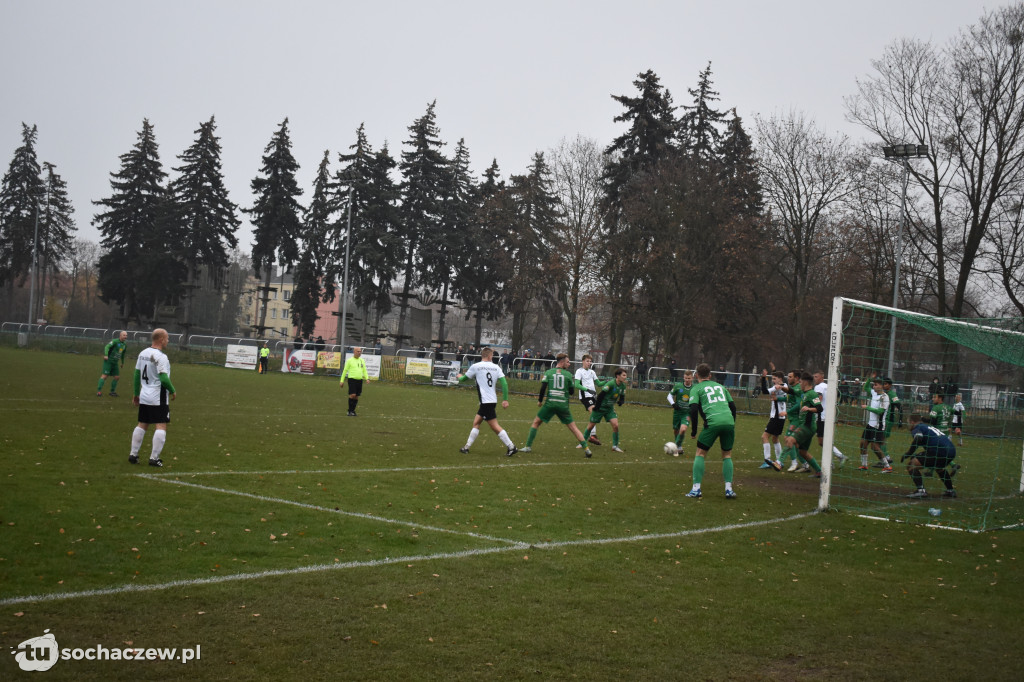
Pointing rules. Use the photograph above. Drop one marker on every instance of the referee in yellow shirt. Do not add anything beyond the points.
(355, 370)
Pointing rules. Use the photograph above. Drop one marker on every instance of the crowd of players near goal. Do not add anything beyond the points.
(798, 398)
(806, 393)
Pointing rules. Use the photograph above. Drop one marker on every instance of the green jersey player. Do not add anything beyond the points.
(556, 386)
(679, 399)
(805, 422)
(794, 394)
(712, 400)
(113, 361)
(940, 415)
(609, 394)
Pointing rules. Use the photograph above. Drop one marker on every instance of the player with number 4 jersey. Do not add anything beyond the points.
(488, 376)
(153, 390)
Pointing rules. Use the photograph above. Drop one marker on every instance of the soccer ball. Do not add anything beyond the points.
(671, 449)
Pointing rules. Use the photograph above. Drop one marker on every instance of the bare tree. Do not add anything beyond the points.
(805, 175)
(576, 167)
(963, 102)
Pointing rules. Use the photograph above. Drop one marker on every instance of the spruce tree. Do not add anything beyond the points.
(480, 279)
(379, 248)
(205, 218)
(529, 248)
(275, 213)
(138, 271)
(56, 227)
(635, 156)
(444, 248)
(739, 169)
(424, 176)
(699, 125)
(309, 274)
(21, 198)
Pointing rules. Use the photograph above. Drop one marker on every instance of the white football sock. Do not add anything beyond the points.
(506, 441)
(836, 452)
(778, 452)
(767, 450)
(473, 433)
(159, 438)
(137, 435)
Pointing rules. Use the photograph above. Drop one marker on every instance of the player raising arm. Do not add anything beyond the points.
(488, 375)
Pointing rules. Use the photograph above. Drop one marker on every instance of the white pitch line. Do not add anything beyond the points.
(394, 470)
(314, 507)
(318, 568)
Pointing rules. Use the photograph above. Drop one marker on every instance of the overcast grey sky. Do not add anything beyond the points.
(510, 78)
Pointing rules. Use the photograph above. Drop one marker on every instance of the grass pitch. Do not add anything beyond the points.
(287, 539)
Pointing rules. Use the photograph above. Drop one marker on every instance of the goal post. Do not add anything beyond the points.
(933, 361)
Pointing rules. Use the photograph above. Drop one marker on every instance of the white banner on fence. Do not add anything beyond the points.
(242, 357)
(372, 365)
(301, 361)
(417, 367)
(445, 372)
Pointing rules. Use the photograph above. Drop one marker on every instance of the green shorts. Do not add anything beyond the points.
(607, 414)
(546, 412)
(804, 437)
(680, 418)
(724, 433)
(111, 368)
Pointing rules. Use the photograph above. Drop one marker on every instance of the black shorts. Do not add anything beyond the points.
(775, 426)
(355, 387)
(587, 401)
(488, 411)
(935, 459)
(154, 414)
(821, 428)
(873, 435)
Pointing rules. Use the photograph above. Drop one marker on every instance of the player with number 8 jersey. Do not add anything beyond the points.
(488, 376)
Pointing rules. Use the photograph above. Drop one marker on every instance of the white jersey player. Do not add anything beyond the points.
(821, 388)
(776, 420)
(587, 376)
(488, 376)
(153, 391)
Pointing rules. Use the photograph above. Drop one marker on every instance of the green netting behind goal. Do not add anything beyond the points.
(982, 361)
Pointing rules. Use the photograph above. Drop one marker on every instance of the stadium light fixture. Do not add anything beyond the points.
(902, 153)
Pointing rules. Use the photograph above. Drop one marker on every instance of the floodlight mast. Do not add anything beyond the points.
(900, 152)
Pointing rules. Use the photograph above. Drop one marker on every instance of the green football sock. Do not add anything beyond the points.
(586, 435)
(727, 468)
(615, 439)
(113, 385)
(529, 439)
(99, 386)
(679, 440)
(814, 464)
(698, 470)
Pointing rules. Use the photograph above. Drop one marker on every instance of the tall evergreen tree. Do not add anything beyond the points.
(530, 246)
(204, 215)
(635, 157)
(480, 278)
(699, 125)
(56, 227)
(424, 177)
(21, 197)
(739, 169)
(309, 274)
(138, 271)
(444, 249)
(275, 213)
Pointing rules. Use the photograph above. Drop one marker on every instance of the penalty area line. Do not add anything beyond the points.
(396, 470)
(387, 561)
(329, 510)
